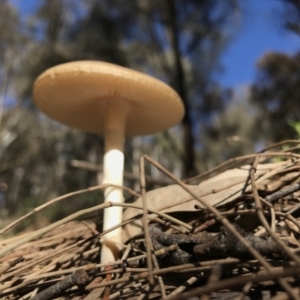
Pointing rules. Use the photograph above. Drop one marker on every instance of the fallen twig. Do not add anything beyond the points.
(78, 277)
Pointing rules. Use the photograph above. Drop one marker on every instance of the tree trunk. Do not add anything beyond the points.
(189, 168)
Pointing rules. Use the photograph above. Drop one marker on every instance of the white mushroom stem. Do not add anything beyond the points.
(103, 98)
(114, 135)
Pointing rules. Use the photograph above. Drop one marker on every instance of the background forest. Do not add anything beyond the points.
(177, 41)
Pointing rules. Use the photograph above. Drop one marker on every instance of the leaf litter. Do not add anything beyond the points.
(230, 233)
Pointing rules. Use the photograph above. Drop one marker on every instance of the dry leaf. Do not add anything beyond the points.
(218, 190)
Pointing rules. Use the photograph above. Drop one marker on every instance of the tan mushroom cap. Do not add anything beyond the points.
(78, 94)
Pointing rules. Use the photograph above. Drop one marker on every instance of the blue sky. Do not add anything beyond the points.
(260, 32)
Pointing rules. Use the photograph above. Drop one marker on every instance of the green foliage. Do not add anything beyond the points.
(276, 95)
(296, 127)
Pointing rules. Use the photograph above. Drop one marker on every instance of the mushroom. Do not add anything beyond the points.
(112, 101)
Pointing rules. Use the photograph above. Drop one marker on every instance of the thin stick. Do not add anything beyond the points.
(237, 281)
(264, 222)
(280, 144)
(96, 293)
(145, 220)
(245, 290)
(43, 206)
(238, 161)
(282, 193)
(125, 291)
(214, 277)
(183, 287)
(97, 168)
(272, 213)
(160, 279)
(80, 213)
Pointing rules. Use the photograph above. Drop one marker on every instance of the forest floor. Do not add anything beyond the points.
(232, 233)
